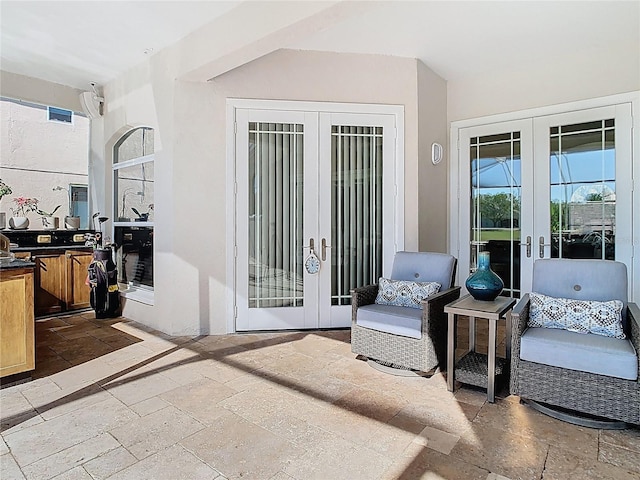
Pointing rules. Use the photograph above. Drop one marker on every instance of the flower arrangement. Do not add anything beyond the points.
(4, 189)
(24, 205)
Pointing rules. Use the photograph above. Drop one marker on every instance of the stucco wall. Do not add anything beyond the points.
(433, 179)
(38, 155)
(591, 74)
(190, 217)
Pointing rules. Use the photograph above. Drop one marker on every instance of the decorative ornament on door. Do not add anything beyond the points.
(312, 263)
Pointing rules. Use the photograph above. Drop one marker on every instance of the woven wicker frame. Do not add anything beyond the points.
(421, 354)
(599, 395)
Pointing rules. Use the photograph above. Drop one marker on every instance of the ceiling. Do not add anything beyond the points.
(74, 43)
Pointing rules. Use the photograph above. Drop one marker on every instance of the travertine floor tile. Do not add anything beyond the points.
(272, 406)
(340, 463)
(392, 438)
(70, 458)
(156, 431)
(620, 456)
(427, 464)
(149, 405)
(562, 466)
(77, 473)
(47, 438)
(9, 468)
(437, 440)
(109, 463)
(629, 438)
(504, 452)
(202, 399)
(524, 420)
(240, 449)
(172, 463)
(133, 390)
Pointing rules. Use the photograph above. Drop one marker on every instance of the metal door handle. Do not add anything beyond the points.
(324, 249)
(312, 245)
(541, 245)
(528, 245)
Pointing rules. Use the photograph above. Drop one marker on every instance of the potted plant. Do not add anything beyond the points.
(23, 205)
(142, 217)
(4, 190)
(49, 222)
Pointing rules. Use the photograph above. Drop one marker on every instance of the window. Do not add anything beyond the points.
(133, 190)
(79, 204)
(60, 115)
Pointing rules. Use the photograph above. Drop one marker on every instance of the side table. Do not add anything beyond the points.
(475, 368)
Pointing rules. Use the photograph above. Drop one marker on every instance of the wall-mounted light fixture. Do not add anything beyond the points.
(437, 152)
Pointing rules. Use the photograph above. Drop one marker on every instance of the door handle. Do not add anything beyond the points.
(528, 245)
(312, 245)
(541, 245)
(324, 249)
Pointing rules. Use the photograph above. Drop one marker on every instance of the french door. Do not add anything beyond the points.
(555, 186)
(315, 209)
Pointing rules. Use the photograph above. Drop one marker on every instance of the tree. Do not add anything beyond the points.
(497, 207)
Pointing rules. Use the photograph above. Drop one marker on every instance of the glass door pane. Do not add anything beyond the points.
(582, 167)
(496, 194)
(275, 201)
(356, 209)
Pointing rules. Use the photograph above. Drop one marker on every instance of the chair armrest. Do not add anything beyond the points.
(433, 307)
(362, 296)
(633, 317)
(518, 317)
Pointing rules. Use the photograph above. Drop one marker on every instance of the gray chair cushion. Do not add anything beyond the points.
(578, 351)
(600, 280)
(403, 321)
(424, 267)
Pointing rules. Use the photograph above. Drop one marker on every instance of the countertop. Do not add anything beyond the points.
(17, 264)
(40, 248)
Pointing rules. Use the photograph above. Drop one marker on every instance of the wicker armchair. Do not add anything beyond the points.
(397, 350)
(600, 394)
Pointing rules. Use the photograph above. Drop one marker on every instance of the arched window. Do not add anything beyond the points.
(133, 207)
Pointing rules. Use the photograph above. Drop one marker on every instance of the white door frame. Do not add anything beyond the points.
(233, 105)
(455, 188)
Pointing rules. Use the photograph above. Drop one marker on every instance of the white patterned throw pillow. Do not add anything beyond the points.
(582, 316)
(402, 293)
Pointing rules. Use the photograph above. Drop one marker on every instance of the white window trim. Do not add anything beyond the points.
(138, 293)
(234, 104)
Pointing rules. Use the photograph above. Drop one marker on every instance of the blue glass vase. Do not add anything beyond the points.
(484, 284)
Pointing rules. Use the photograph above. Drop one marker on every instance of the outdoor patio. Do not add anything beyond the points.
(114, 399)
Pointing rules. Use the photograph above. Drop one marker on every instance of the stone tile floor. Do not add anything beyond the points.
(114, 399)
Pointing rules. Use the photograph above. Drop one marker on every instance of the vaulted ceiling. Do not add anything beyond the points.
(74, 43)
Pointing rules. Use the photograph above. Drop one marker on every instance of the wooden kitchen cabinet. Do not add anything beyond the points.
(60, 280)
(77, 293)
(50, 285)
(17, 340)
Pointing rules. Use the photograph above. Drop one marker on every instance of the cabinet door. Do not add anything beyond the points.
(17, 349)
(50, 291)
(77, 292)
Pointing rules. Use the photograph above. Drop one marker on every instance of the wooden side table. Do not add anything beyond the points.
(475, 368)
